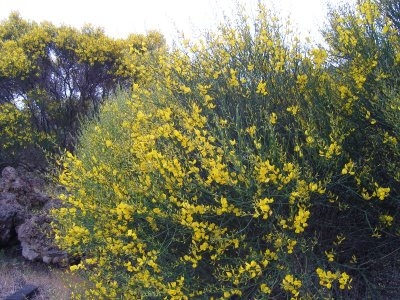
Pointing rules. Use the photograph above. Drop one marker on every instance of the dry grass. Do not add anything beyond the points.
(15, 272)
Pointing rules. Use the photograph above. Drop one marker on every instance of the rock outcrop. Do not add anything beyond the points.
(25, 218)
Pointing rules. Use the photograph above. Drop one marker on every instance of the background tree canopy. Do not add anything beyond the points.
(392, 10)
(58, 75)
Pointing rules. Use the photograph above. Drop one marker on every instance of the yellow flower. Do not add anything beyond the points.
(251, 130)
(330, 255)
(293, 109)
(389, 139)
(185, 89)
(326, 278)
(262, 88)
(273, 118)
(291, 284)
(386, 220)
(319, 56)
(290, 246)
(262, 208)
(344, 281)
(233, 81)
(382, 192)
(302, 81)
(76, 267)
(265, 289)
(300, 220)
(348, 168)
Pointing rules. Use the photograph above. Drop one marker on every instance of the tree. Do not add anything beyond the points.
(391, 9)
(61, 74)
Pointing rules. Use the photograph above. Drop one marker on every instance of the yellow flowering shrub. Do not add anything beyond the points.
(243, 166)
(17, 134)
(15, 127)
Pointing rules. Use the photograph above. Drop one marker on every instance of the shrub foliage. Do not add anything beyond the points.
(17, 136)
(245, 165)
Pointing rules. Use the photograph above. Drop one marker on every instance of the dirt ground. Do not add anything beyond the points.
(15, 272)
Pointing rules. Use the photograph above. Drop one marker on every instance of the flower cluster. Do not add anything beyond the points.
(326, 278)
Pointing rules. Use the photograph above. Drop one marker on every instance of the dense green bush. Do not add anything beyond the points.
(245, 166)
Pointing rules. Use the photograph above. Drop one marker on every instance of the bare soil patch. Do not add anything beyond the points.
(15, 272)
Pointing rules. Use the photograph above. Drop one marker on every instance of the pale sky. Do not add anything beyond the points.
(122, 17)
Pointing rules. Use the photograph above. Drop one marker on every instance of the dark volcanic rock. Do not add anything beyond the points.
(9, 174)
(24, 217)
(36, 240)
(7, 226)
(11, 215)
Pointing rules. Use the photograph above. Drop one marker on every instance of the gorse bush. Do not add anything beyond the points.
(246, 165)
(18, 135)
(13, 122)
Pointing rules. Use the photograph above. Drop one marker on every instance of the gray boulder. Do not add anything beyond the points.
(10, 216)
(37, 241)
(25, 218)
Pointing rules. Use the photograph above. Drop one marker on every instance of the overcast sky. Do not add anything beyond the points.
(121, 17)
